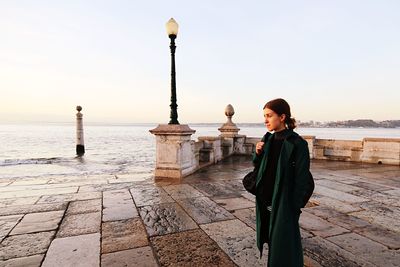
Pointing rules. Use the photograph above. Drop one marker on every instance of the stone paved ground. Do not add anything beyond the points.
(205, 220)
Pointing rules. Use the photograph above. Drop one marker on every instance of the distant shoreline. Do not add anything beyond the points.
(360, 124)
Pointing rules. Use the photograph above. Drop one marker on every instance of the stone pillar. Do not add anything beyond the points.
(175, 155)
(80, 145)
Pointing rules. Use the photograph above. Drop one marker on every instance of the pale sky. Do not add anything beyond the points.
(331, 60)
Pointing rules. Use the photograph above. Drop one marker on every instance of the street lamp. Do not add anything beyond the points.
(172, 31)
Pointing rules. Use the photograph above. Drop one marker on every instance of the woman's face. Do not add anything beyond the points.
(273, 121)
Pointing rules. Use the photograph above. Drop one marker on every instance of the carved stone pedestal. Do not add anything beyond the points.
(175, 157)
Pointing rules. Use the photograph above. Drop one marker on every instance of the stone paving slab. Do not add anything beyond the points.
(25, 245)
(122, 235)
(7, 223)
(204, 210)
(105, 187)
(182, 191)
(238, 241)
(366, 249)
(349, 222)
(139, 257)
(329, 254)
(30, 181)
(149, 195)
(69, 197)
(189, 248)
(30, 261)
(131, 177)
(18, 201)
(80, 224)
(379, 214)
(381, 197)
(335, 194)
(318, 226)
(249, 196)
(17, 188)
(386, 237)
(248, 216)
(118, 205)
(336, 185)
(234, 203)
(335, 204)
(75, 251)
(84, 206)
(371, 186)
(24, 209)
(39, 192)
(89, 179)
(166, 218)
(38, 222)
(217, 189)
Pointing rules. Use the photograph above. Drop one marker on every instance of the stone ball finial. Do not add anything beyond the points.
(78, 108)
(229, 111)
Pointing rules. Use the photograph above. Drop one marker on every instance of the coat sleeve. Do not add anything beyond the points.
(257, 158)
(303, 181)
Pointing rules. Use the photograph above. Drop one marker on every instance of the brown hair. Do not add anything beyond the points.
(280, 106)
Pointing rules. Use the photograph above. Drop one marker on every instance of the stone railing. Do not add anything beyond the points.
(371, 150)
(178, 155)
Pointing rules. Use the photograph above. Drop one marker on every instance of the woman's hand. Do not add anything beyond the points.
(259, 147)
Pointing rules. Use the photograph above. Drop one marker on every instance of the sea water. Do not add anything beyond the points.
(48, 149)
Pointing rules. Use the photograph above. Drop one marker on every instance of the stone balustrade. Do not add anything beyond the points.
(179, 156)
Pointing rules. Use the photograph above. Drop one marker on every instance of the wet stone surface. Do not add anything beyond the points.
(336, 204)
(121, 235)
(204, 210)
(386, 237)
(7, 223)
(69, 197)
(351, 220)
(18, 201)
(30, 261)
(25, 245)
(105, 187)
(182, 191)
(23, 209)
(118, 205)
(234, 203)
(82, 250)
(328, 254)
(248, 216)
(79, 224)
(376, 213)
(318, 226)
(165, 219)
(366, 249)
(84, 206)
(138, 257)
(217, 189)
(237, 240)
(189, 248)
(149, 195)
(38, 222)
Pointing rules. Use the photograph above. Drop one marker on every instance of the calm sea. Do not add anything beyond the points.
(31, 150)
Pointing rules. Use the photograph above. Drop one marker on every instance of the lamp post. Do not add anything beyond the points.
(175, 151)
(172, 31)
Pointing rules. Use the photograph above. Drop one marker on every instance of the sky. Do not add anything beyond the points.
(331, 60)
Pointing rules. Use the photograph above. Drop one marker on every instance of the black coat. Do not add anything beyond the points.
(292, 190)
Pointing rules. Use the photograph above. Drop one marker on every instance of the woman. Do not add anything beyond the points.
(284, 185)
